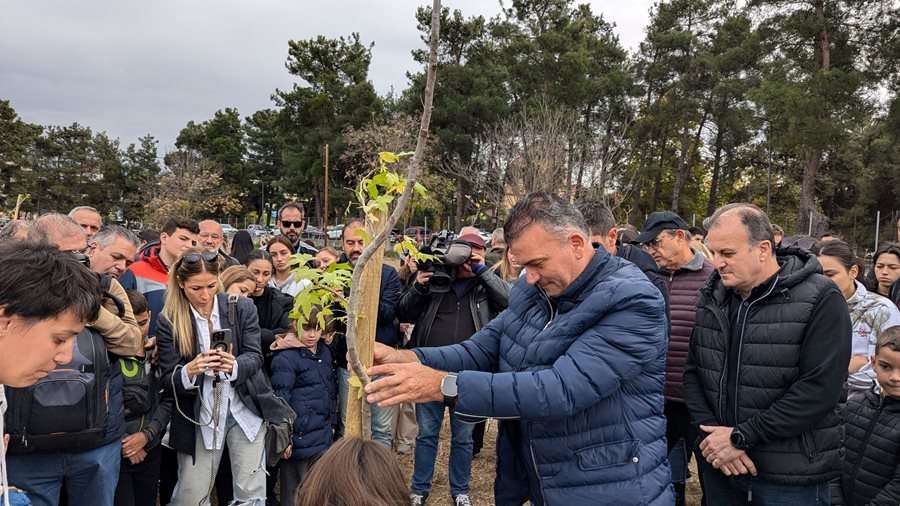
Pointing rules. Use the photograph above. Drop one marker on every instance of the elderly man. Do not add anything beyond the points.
(573, 369)
(88, 219)
(685, 271)
(211, 238)
(767, 363)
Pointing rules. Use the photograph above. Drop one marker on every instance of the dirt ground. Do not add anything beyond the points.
(481, 486)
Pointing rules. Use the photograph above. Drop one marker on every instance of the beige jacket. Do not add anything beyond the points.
(122, 335)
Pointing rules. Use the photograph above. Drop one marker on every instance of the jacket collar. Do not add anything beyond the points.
(572, 294)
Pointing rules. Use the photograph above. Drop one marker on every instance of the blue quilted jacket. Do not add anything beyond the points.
(577, 382)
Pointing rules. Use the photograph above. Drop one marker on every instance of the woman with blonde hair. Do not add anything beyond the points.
(220, 393)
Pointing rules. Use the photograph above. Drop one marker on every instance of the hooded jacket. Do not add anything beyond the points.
(793, 349)
(871, 314)
(577, 382)
(871, 472)
(306, 380)
(150, 276)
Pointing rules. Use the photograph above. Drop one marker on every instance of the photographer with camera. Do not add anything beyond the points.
(452, 299)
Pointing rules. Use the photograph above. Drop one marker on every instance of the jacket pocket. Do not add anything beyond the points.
(606, 455)
(808, 446)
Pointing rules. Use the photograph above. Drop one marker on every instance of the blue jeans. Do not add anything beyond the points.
(90, 476)
(430, 415)
(721, 489)
(381, 417)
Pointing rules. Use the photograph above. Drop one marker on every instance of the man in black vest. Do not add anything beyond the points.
(766, 366)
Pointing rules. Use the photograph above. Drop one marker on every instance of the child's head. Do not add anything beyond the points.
(370, 476)
(309, 331)
(886, 361)
(326, 256)
(141, 310)
(238, 280)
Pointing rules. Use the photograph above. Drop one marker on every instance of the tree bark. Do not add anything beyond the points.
(717, 166)
(813, 153)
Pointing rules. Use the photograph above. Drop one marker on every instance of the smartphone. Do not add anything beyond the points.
(220, 340)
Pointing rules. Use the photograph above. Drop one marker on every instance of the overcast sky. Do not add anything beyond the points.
(132, 68)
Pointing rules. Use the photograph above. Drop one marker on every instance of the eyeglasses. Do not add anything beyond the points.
(294, 224)
(655, 242)
(214, 237)
(81, 257)
(193, 258)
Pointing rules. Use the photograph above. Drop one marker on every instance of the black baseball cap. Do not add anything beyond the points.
(657, 222)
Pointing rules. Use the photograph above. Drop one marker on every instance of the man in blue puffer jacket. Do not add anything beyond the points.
(573, 368)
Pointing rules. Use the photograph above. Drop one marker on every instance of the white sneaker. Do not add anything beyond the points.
(417, 500)
(462, 500)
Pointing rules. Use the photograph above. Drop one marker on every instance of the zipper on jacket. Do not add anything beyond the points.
(865, 442)
(737, 373)
(536, 474)
(549, 306)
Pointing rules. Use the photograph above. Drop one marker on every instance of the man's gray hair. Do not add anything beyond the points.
(12, 228)
(109, 234)
(82, 208)
(597, 216)
(51, 227)
(497, 238)
(754, 219)
(547, 210)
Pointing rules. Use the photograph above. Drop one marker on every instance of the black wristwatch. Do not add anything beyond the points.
(448, 389)
(738, 440)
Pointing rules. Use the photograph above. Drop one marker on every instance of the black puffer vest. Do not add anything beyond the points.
(768, 365)
(872, 451)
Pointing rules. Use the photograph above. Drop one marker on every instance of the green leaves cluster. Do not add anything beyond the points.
(326, 289)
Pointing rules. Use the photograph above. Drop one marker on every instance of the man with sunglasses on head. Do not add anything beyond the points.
(667, 238)
(150, 274)
(66, 452)
(291, 223)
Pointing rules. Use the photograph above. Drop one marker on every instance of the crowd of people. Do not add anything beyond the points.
(152, 368)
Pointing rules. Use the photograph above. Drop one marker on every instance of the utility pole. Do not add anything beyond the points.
(325, 211)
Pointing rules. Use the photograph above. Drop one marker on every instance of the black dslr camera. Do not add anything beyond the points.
(444, 268)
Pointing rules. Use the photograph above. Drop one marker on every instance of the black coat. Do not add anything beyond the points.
(871, 472)
(792, 363)
(418, 305)
(273, 309)
(250, 377)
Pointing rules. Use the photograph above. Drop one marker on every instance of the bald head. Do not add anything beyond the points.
(60, 230)
(211, 236)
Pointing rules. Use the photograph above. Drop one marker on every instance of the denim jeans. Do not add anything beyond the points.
(381, 417)
(721, 489)
(90, 476)
(430, 415)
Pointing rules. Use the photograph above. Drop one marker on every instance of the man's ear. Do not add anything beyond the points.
(579, 243)
(5, 321)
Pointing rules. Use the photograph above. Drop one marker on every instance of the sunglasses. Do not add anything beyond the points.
(294, 224)
(193, 258)
(655, 242)
(84, 260)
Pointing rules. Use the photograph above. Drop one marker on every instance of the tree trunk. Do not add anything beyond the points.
(681, 171)
(714, 183)
(813, 154)
(460, 203)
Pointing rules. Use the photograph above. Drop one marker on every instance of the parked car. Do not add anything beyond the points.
(312, 232)
(228, 230)
(336, 231)
(419, 234)
(257, 230)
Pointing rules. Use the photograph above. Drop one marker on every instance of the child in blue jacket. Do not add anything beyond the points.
(303, 374)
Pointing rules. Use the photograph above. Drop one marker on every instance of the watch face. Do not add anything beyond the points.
(448, 385)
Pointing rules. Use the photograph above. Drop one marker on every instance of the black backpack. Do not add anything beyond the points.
(67, 409)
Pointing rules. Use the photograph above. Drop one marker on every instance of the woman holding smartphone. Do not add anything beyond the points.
(218, 394)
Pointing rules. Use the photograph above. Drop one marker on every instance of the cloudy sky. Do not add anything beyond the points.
(132, 68)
